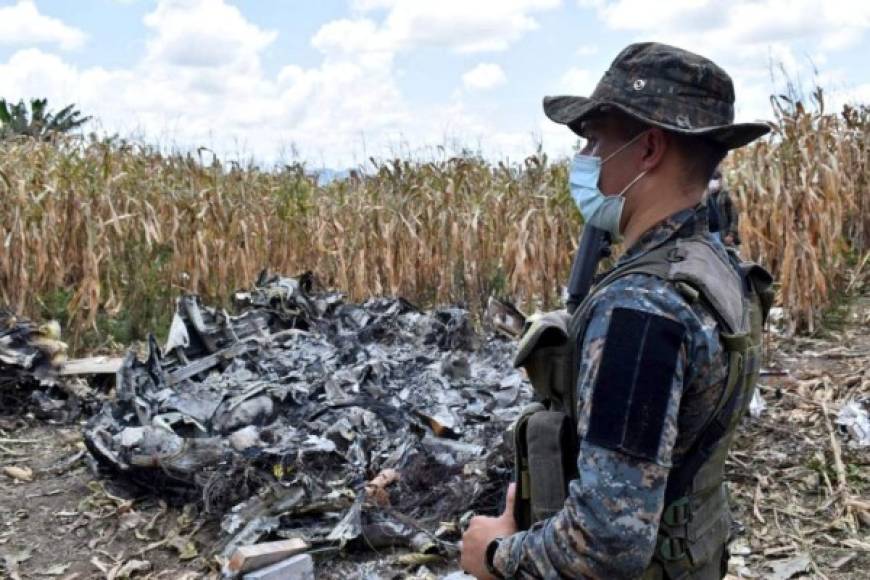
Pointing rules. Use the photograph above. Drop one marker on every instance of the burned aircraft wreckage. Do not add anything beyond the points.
(353, 425)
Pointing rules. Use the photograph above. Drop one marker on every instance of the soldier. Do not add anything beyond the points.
(720, 199)
(660, 355)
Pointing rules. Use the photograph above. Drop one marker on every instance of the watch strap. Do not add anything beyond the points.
(489, 557)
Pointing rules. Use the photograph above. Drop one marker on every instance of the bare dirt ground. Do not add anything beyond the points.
(800, 485)
(66, 524)
(801, 489)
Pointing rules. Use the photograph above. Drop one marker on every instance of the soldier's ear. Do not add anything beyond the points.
(654, 144)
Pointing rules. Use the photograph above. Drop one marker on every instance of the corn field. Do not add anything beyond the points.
(104, 234)
(804, 196)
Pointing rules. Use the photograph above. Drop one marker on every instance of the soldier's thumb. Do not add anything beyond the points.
(509, 501)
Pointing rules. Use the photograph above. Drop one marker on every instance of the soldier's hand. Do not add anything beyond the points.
(481, 531)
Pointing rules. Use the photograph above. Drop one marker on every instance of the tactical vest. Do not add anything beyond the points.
(695, 523)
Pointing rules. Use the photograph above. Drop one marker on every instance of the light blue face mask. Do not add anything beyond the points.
(599, 210)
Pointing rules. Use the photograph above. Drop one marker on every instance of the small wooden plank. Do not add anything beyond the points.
(247, 558)
(299, 567)
(95, 365)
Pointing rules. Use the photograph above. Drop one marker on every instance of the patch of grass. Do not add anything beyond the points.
(54, 305)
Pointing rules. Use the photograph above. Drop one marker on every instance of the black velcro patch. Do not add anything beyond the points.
(631, 392)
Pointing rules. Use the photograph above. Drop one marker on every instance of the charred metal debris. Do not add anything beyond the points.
(32, 358)
(305, 416)
(30, 353)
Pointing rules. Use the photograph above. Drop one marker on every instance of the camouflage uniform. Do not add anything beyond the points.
(653, 365)
(608, 527)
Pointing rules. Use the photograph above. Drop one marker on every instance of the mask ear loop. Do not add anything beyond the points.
(632, 182)
(612, 155)
(639, 175)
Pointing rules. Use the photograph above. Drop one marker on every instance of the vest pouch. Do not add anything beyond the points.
(546, 444)
(522, 498)
(545, 355)
(706, 549)
(693, 548)
(761, 298)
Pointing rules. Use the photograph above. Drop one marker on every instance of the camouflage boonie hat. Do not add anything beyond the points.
(667, 87)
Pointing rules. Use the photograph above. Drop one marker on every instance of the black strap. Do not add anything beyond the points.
(681, 476)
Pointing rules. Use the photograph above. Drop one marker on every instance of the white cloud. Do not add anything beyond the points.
(751, 21)
(206, 34)
(23, 24)
(39, 72)
(381, 29)
(200, 82)
(480, 26)
(457, 25)
(484, 76)
(352, 36)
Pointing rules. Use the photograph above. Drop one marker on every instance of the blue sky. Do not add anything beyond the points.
(336, 81)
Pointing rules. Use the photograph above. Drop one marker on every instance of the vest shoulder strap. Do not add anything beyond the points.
(696, 269)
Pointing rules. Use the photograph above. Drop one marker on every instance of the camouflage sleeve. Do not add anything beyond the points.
(608, 526)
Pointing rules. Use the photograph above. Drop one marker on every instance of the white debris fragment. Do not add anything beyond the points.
(299, 567)
(245, 438)
(177, 335)
(776, 319)
(853, 417)
(757, 405)
(457, 575)
(131, 436)
(739, 548)
(790, 567)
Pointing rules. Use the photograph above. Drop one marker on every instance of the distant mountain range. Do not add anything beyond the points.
(326, 175)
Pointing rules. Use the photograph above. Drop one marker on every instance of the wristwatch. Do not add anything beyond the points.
(489, 557)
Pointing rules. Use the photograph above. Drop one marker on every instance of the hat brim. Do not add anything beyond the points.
(570, 110)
